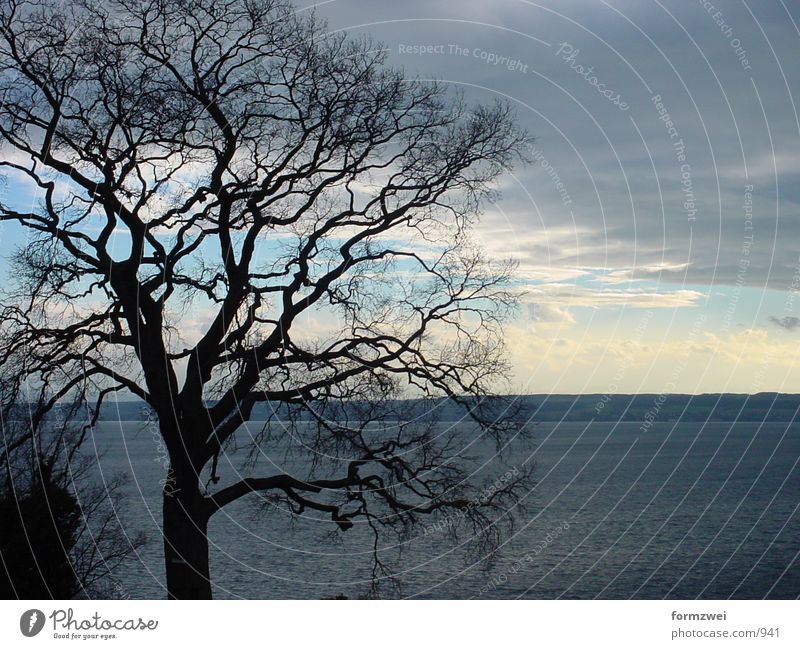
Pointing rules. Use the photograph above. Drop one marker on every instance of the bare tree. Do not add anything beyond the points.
(234, 160)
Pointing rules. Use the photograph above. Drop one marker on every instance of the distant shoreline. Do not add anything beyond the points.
(646, 408)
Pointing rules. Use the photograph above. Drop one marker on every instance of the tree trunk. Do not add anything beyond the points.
(186, 542)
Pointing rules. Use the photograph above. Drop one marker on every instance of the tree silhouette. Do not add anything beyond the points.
(217, 185)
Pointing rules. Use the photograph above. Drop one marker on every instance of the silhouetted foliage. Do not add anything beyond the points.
(38, 529)
(62, 536)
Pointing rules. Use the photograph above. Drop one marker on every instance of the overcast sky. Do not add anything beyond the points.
(658, 229)
(658, 232)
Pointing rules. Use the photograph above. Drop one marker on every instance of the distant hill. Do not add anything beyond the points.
(764, 406)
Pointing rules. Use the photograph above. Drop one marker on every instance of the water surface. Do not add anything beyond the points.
(682, 510)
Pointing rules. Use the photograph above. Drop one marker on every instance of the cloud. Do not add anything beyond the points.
(787, 322)
(751, 360)
(626, 275)
(765, 166)
(547, 313)
(585, 296)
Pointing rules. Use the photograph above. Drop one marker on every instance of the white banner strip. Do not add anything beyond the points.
(401, 624)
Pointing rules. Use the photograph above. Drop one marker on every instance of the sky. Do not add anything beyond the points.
(657, 230)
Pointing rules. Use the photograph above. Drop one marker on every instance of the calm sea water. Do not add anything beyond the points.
(681, 511)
